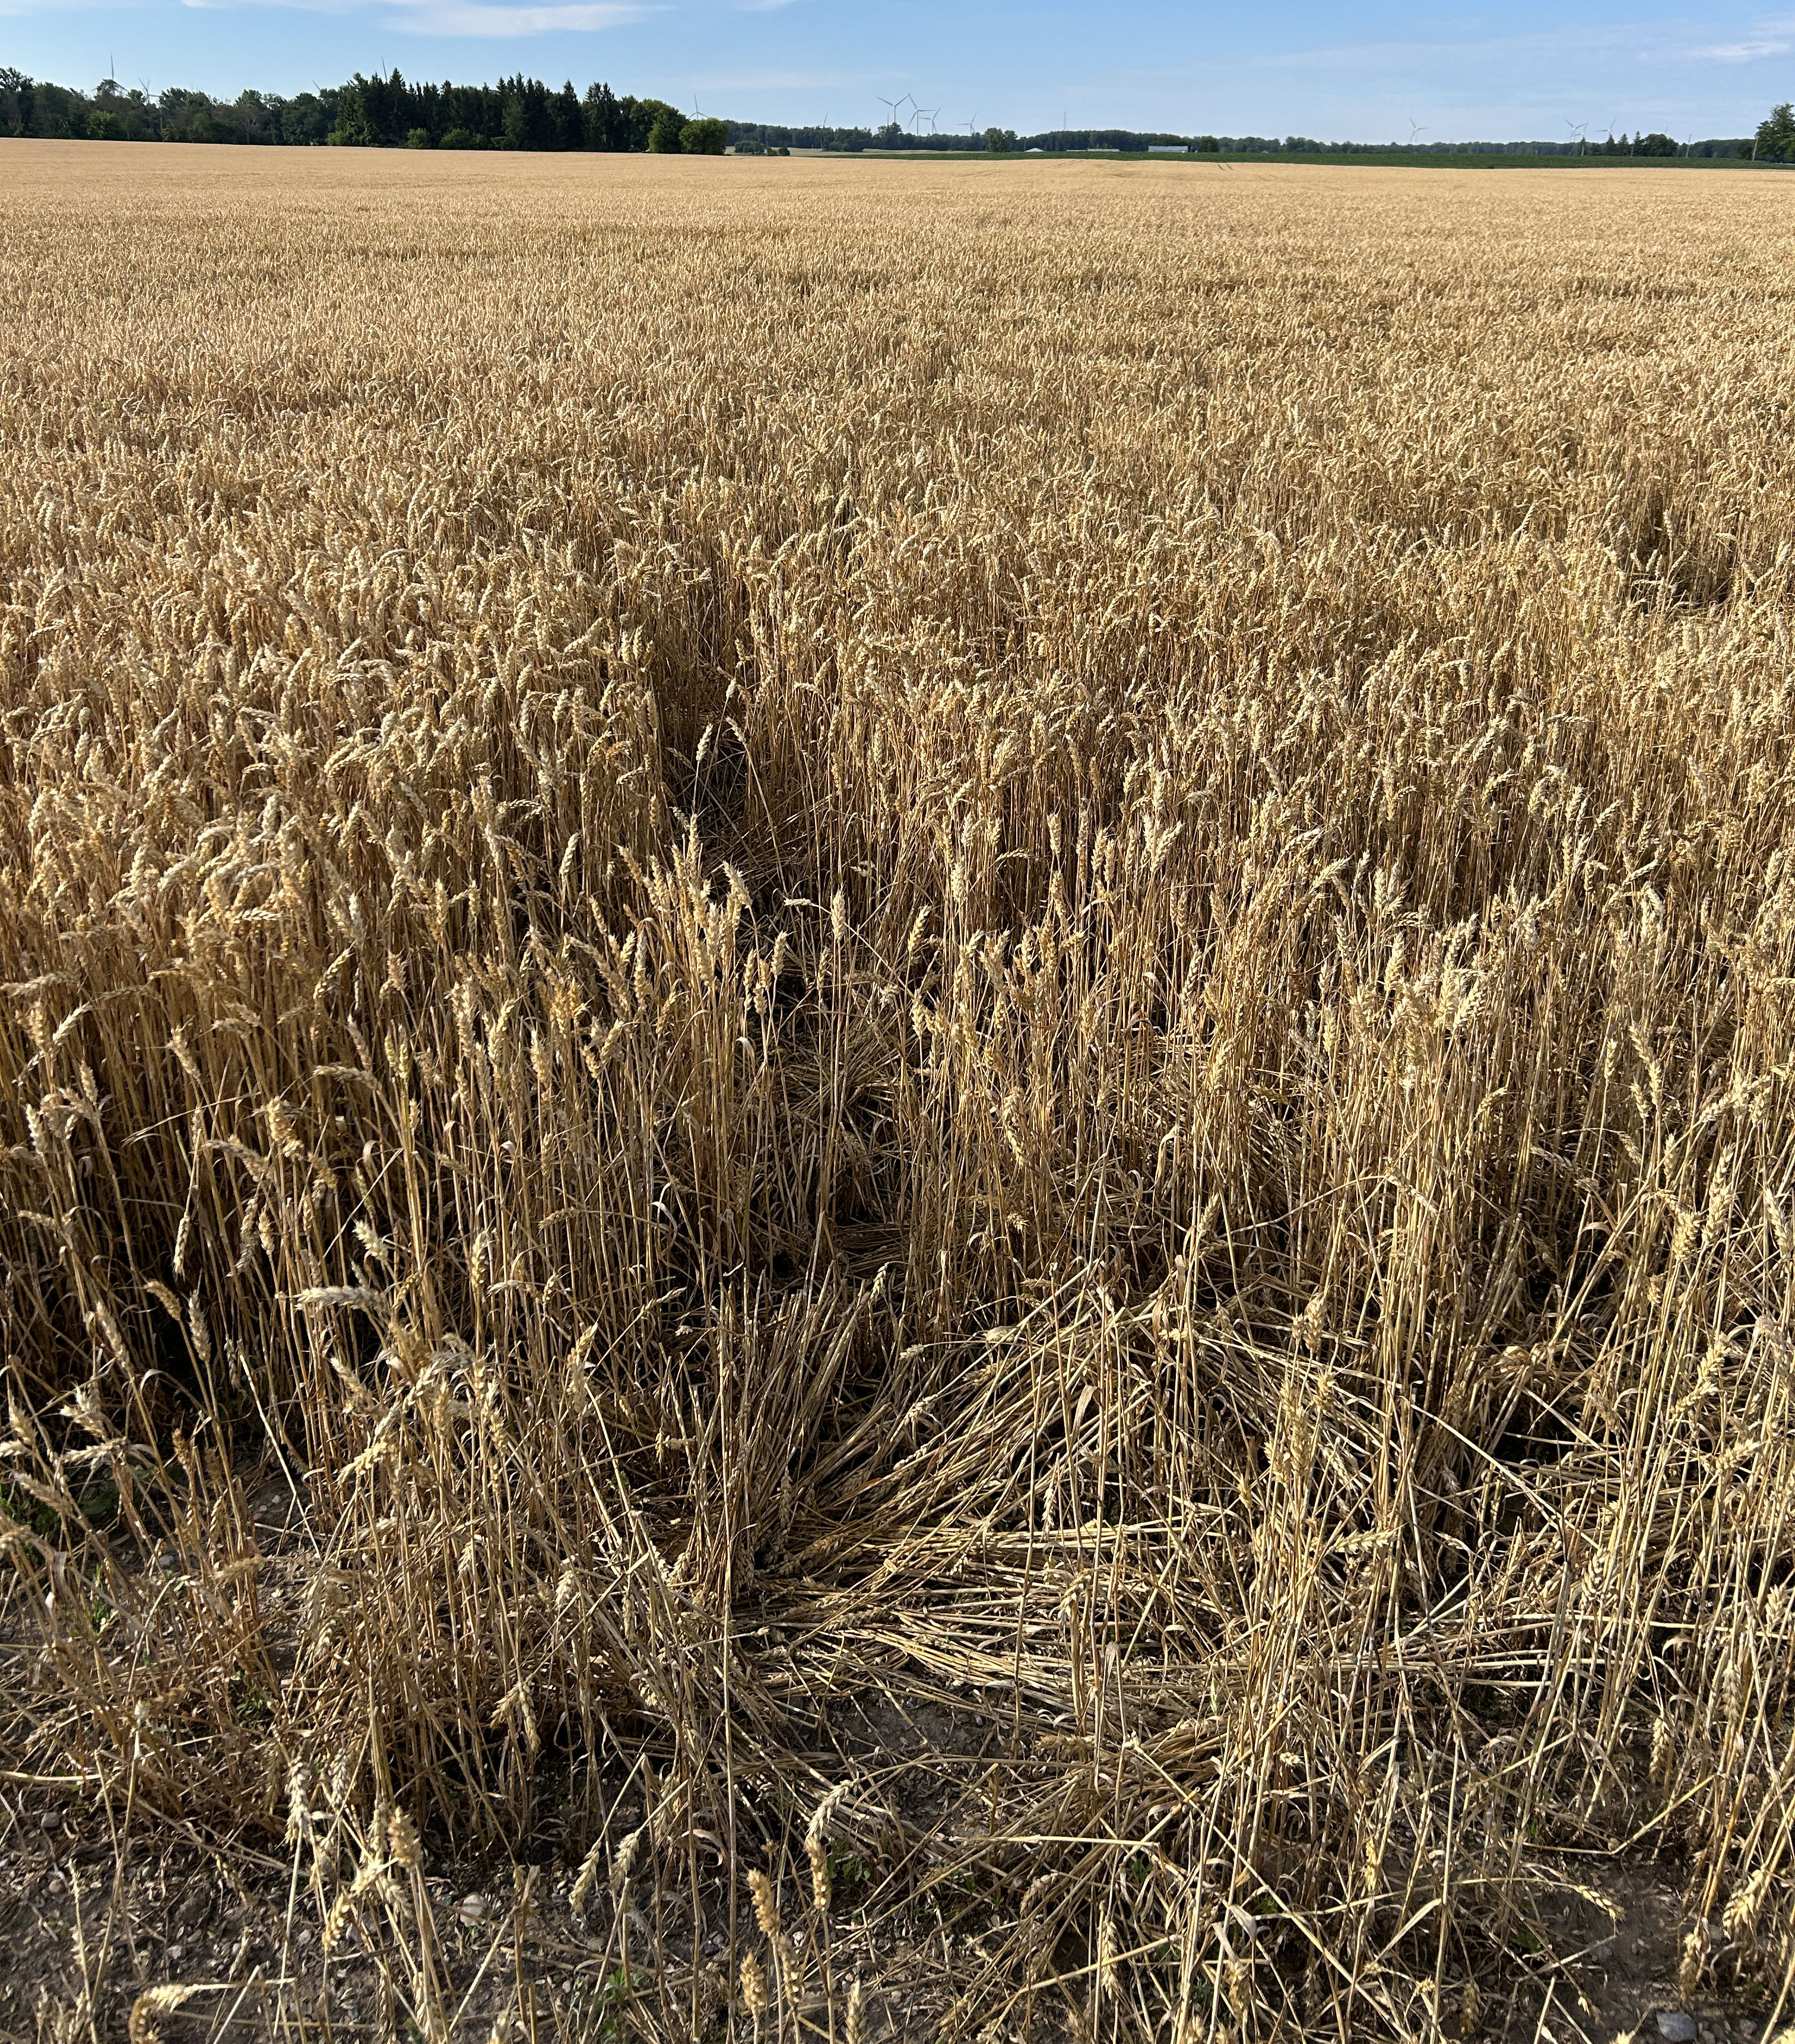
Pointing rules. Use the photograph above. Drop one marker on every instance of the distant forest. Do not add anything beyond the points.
(524, 114)
(367, 113)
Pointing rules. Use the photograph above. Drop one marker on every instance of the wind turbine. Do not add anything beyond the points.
(1580, 129)
(1415, 129)
(892, 103)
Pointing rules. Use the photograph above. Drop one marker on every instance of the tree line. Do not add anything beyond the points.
(518, 112)
(111, 113)
(524, 113)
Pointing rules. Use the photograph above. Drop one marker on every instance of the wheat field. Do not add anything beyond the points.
(953, 1005)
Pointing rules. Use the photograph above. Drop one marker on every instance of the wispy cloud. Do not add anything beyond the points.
(1644, 42)
(773, 81)
(1479, 76)
(1744, 52)
(484, 18)
(1387, 57)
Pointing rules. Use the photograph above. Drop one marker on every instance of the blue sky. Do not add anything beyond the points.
(1368, 72)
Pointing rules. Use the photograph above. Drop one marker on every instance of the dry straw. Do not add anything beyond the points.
(1014, 948)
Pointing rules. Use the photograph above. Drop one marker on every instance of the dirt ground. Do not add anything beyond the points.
(88, 1922)
(83, 1936)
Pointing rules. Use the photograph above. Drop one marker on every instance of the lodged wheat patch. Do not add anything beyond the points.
(957, 999)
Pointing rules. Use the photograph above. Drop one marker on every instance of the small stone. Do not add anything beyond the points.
(51, 1820)
(1675, 2027)
(473, 1909)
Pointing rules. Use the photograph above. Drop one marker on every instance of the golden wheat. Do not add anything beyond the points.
(1010, 942)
